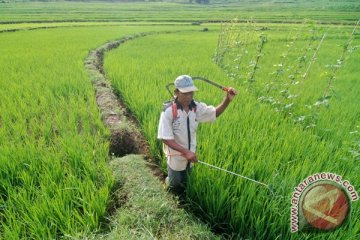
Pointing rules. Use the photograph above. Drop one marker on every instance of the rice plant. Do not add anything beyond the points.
(250, 139)
(55, 180)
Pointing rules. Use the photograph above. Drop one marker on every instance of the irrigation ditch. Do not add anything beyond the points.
(125, 137)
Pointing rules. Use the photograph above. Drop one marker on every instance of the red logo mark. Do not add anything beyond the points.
(325, 206)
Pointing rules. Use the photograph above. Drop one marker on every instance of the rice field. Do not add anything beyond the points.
(55, 178)
(167, 11)
(251, 138)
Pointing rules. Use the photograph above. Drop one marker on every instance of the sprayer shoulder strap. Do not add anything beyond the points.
(174, 108)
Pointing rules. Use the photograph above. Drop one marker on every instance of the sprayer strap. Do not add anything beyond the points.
(174, 110)
(175, 106)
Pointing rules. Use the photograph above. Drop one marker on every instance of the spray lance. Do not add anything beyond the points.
(213, 166)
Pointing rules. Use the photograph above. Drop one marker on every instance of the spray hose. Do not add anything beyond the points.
(236, 174)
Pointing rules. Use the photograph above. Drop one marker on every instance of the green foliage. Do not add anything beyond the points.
(266, 10)
(149, 212)
(53, 146)
(303, 71)
(250, 138)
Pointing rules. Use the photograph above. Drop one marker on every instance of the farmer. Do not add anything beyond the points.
(177, 129)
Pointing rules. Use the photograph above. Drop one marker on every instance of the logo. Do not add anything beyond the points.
(325, 206)
(322, 201)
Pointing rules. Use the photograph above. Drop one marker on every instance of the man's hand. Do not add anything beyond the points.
(231, 92)
(190, 156)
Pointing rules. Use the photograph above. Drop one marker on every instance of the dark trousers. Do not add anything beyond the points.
(178, 180)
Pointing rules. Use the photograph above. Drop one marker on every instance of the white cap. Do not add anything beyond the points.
(185, 84)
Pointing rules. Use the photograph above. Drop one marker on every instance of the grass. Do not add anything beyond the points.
(304, 72)
(325, 10)
(32, 26)
(149, 212)
(54, 149)
(250, 138)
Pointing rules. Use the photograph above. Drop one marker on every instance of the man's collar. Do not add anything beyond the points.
(192, 105)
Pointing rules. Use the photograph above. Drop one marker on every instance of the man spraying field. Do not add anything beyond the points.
(177, 129)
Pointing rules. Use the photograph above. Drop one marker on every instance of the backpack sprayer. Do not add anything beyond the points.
(207, 164)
